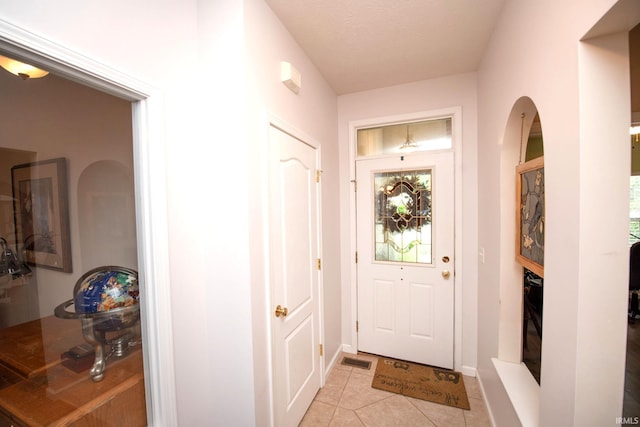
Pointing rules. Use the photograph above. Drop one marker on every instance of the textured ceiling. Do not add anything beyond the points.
(365, 44)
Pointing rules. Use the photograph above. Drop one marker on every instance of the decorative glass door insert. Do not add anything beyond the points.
(403, 216)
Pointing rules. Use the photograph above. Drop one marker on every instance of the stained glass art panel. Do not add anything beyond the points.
(403, 216)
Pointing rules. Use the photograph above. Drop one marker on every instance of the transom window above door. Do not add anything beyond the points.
(425, 135)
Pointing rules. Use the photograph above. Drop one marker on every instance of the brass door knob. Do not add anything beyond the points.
(281, 311)
(446, 274)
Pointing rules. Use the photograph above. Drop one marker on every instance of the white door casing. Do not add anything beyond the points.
(294, 275)
(406, 309)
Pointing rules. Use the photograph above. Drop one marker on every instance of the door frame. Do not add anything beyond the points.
(151, 217)
(274, 121)
(456, 129)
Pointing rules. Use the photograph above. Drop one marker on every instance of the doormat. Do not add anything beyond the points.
(422, 382)
(357, 363)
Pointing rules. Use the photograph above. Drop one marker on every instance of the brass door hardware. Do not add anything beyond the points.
(281, 311)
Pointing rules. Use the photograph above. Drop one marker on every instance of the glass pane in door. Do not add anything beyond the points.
(403, 216)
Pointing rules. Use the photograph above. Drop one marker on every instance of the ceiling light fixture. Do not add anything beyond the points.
(20, 69)
(408, 144)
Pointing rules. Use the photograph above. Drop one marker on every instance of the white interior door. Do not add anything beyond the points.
(405, 239)
(294, 271)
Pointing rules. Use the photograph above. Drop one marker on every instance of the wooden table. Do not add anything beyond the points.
(37, 390)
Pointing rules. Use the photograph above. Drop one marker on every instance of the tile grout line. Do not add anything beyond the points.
(349, 370)
(425, 415)
(341, 394)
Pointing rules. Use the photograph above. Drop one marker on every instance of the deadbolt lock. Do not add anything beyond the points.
(281, 311)
(445, 259)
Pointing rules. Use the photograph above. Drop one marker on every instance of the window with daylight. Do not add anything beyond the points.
(426, 135)
(634, 210)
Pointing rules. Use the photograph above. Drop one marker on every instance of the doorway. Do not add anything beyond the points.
(405, 204)
(148, 150)
(405, 247)
(294, 275)
(631, 403)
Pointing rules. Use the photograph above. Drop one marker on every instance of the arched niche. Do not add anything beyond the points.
(522, 141)
(106, 215)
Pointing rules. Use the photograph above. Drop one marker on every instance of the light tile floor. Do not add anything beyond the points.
(347, 399)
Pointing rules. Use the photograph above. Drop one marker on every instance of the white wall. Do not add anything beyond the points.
(454, 91)
(209, 233)
(200, 55)
(534, 52)
(582, 96)
(165, 45)
(311, 114)
(604, 254)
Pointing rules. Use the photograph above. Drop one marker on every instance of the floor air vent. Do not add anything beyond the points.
(356, 363)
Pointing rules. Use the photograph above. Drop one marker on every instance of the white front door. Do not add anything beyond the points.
(294, 273)
(405, 240)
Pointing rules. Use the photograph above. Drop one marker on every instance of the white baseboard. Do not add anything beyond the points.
(348, 348)
(332, 361)
(469, 371)
(486, 402)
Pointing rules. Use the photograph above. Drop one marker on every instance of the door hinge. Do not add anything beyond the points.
(318, 172)
(356, 257)
(355, 185)
(321, 350)
(357, 326)
(319, 264)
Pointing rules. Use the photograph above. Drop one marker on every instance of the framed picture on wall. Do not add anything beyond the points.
(41, 213)
(530, 215)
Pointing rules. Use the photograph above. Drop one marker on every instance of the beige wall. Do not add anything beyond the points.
(311, 115)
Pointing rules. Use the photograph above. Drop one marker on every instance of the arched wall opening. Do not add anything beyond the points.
(514, 152)
(521, 386)
(106, 213)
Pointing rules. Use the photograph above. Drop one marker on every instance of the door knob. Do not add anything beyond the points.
(446, 274)
(281, 311)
